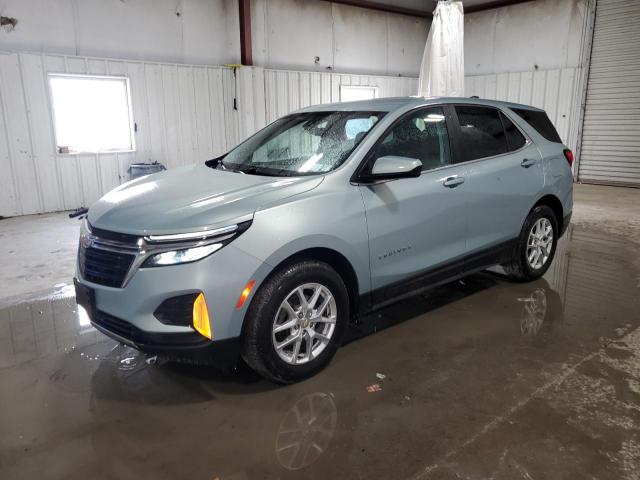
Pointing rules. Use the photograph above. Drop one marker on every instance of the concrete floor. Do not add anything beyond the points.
(482, 379)
(38, 255)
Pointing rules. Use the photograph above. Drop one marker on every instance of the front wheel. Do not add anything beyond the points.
(296, 322)
(536, 246)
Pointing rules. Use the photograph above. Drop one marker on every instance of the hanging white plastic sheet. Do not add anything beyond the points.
(442, 70)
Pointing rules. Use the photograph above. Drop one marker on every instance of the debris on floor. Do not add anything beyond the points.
(380, 376)
(374, 388)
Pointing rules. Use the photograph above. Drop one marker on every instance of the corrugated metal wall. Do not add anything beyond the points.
(286, 91)
(611, 133)
(556, 91)
(185, 113)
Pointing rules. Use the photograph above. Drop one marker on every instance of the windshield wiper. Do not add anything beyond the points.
(219, 164)
(267, 172)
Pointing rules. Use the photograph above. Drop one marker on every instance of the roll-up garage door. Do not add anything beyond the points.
(611, 131)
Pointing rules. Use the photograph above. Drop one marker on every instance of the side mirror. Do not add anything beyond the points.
(391, 167)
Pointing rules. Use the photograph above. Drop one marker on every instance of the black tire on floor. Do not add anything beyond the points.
(257, 345)
(519, 269)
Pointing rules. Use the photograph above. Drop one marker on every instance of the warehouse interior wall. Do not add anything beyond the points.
(182, 113)
(187, 107)
(324, 36)
(309, 35)
(536, 35)
(176, 31)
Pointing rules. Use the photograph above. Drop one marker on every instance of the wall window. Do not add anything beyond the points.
(482, 134)
(421, 135)
(352, 93)
(91, 113)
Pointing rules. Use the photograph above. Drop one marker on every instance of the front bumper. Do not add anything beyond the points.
(127, 314)
(187, 347)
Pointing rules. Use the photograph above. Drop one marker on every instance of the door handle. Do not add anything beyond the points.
(453, 182)
(527, 162)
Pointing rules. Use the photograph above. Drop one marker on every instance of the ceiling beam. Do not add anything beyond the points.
(412, 12)
(383, 7)
(492, 5)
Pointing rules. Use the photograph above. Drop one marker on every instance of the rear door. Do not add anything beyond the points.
(504, 175)
(416, 225)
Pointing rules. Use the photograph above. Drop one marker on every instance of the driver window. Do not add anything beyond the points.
(421, 135)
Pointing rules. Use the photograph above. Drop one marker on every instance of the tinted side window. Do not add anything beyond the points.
(540, 122)
(515, 139)
(422, 135)
(481, 132)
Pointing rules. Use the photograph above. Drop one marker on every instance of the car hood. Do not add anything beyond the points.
(191, 198)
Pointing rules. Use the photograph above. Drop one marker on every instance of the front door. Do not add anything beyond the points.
(417, 226)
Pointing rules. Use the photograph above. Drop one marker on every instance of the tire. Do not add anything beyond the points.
(268, 311)
(520, 268)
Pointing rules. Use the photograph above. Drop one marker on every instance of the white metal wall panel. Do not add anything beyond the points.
(286, 91)
(183, 113)
(611, 132)
(556, 91)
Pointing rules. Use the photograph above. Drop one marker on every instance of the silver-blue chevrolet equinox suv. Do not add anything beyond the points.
(270, 251)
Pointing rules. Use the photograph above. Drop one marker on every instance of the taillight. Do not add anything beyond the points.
(568, 154)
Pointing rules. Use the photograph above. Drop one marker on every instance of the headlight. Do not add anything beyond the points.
(84, 228)
(181, 256)
(174, 249)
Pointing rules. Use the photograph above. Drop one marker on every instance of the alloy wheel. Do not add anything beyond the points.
(539, 243)
(304, 323)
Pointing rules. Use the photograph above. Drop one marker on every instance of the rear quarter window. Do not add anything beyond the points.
(540, 122)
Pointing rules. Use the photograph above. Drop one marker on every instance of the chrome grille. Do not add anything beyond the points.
(106, 261)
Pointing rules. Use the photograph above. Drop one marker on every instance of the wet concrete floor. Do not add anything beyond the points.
(482, 379)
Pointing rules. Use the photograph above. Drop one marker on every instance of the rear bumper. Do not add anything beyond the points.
(187, 347)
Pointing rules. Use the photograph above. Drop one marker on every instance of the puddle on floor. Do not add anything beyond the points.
(479, 378)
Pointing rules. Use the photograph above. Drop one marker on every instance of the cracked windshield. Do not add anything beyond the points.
(302, 144)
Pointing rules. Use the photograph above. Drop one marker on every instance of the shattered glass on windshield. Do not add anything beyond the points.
(302, 144)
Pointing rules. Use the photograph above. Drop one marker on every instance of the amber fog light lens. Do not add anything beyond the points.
(201, 317)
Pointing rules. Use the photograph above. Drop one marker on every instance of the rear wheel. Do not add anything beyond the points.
(296, 322)
(536, 246)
